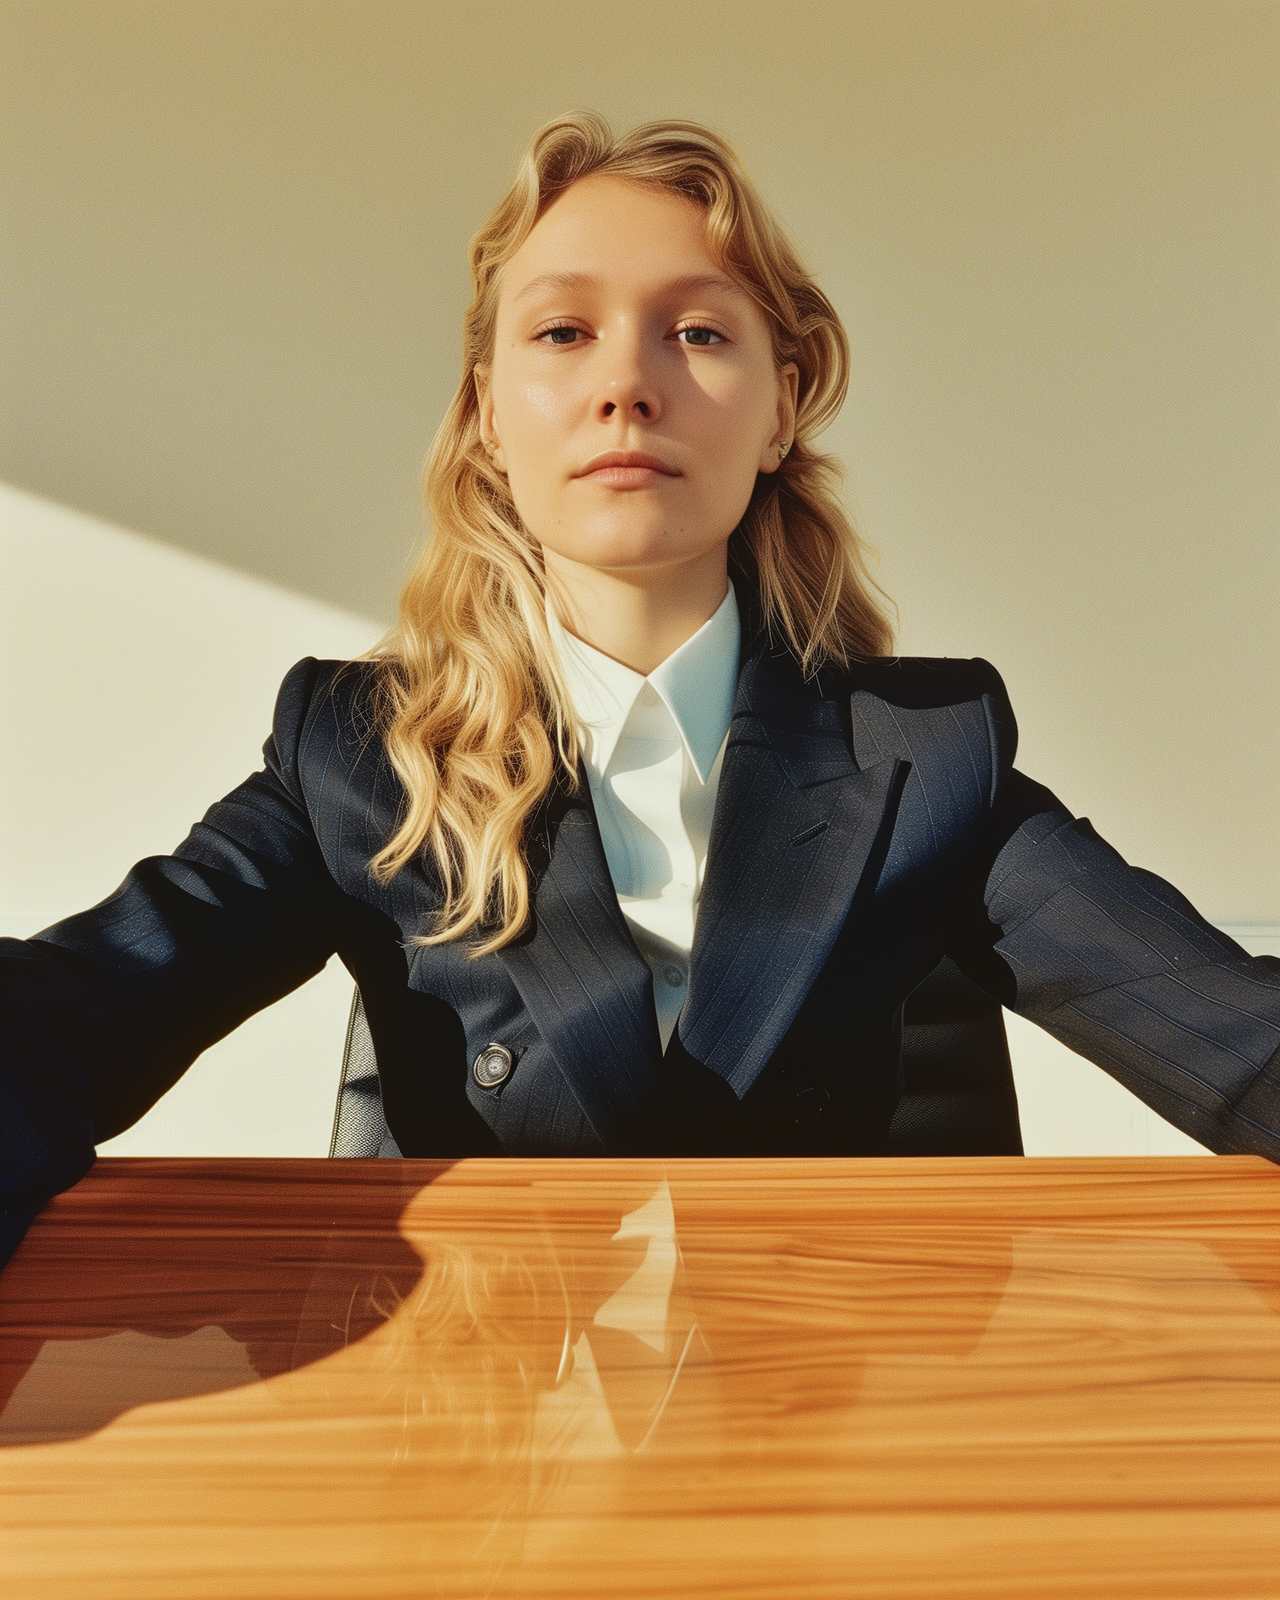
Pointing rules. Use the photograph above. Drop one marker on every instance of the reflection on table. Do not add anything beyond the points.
(824, 1378)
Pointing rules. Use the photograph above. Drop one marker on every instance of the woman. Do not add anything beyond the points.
(633, 834)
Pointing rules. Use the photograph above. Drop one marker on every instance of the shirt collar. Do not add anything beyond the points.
(697, 684)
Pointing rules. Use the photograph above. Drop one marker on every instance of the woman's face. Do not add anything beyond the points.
(618, 337)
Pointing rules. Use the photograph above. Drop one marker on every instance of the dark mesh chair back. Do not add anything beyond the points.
(359, 1128)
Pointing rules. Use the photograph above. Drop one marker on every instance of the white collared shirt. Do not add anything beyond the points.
(652, 749)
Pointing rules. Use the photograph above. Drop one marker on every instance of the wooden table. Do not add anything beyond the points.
(800, 1379)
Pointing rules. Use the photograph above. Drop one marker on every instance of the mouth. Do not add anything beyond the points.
(626, 469)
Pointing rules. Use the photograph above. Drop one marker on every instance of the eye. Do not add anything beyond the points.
(700, 334)
(563, 333)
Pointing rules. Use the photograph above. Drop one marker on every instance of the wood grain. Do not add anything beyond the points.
(229, 1380)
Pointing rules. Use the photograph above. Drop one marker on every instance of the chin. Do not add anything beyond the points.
(623, 547)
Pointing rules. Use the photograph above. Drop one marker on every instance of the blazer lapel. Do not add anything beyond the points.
(794, 828)
(584, 983)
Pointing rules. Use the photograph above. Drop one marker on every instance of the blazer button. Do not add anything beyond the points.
(493, 1066)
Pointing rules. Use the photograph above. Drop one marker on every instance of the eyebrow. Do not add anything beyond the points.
(584, 280)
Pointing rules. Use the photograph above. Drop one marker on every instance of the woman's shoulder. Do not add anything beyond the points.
(924, 682)
(938, 711)
(327, 705)
(312, 680)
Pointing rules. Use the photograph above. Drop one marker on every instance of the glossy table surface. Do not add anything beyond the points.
(801, 1379)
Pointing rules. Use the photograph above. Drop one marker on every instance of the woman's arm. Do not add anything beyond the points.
(104, 1011)
(1120, 966)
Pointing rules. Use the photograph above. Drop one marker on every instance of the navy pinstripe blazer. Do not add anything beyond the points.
(868, 822)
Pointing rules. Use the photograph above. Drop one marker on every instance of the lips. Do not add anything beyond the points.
(627, 466)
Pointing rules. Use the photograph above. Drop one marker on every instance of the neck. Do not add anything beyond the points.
(637, 618)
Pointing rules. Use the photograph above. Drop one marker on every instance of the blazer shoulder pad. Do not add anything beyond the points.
(934, 710)
(321, 703)
(927, 682)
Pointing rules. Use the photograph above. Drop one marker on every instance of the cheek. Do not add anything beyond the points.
(536, 407)
(733, 413)
(529, 411)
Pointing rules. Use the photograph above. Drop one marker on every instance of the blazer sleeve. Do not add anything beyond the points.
(103, 1012)
(1121, 967)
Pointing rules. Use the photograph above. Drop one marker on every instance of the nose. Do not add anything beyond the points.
(628, 385)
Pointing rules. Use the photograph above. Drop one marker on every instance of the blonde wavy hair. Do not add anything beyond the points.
(470, 702)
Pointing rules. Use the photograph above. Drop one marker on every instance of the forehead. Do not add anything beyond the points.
(606, 230)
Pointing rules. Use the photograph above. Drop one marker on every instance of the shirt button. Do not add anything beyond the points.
(674, 975)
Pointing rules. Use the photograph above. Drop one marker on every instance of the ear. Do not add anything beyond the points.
(771, 457)
(488, 427)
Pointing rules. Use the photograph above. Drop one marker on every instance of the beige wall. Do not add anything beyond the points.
(232, 266)
(231, 261)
